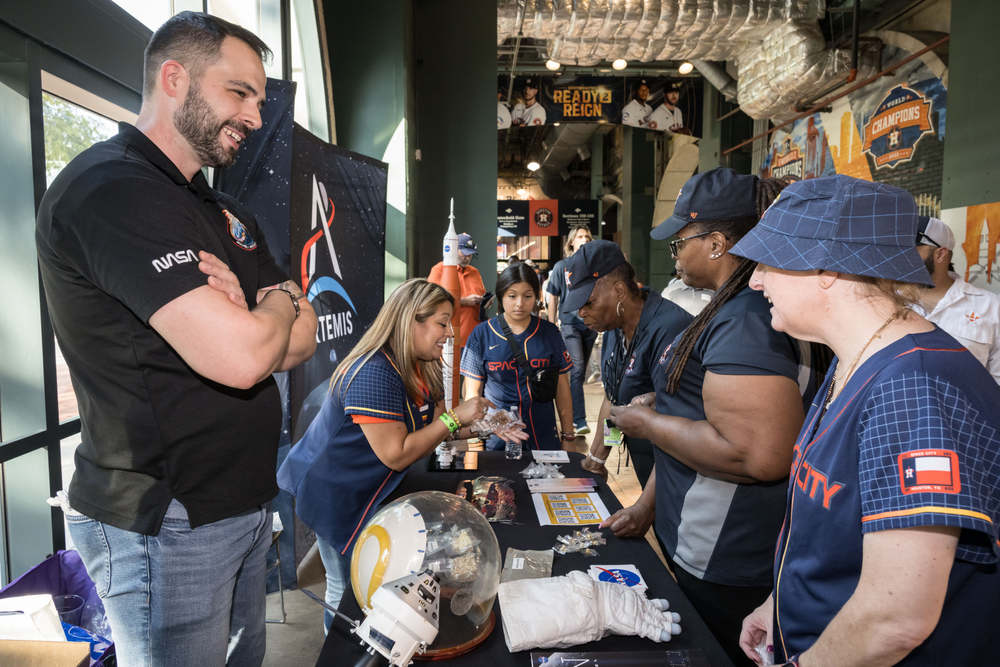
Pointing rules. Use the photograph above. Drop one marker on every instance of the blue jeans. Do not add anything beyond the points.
(579, 344)
(338, 577)
(182, 597)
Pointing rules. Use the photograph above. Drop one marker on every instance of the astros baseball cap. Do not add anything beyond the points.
(592, 261)
(530, 83)
(718, 195)
(466, 245)
(933, 232)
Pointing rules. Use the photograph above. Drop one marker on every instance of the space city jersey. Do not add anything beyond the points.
(118, 235)
(720, 531)
(337, 479)
(912, 440)
(487, 358)
(558, 285)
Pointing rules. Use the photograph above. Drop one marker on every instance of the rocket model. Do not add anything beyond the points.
(450, 281)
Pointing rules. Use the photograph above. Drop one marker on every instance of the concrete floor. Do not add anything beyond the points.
(297, 642)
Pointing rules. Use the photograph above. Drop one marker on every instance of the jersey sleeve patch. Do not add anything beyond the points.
(929, 470)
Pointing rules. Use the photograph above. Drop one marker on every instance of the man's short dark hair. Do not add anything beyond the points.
(194, 40)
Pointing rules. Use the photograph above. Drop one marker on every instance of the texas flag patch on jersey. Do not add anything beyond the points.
(929, 470)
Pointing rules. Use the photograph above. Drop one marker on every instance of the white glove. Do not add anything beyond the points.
(560, 612)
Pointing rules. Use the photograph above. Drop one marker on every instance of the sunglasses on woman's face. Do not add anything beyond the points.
(675, 245)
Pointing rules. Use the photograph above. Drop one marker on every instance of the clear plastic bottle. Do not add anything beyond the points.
(512, 450)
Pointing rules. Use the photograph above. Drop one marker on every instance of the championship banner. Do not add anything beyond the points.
(512, 217)
(543, 216)
(337, 230)
(583, 99)
(661, 104)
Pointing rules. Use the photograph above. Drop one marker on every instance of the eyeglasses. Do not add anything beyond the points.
(675, 245)
(921, 238)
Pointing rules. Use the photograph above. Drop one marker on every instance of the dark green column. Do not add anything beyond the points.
(456, 80)
(971, 147)
(637, 199)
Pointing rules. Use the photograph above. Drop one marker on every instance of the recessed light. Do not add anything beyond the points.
(620, 64)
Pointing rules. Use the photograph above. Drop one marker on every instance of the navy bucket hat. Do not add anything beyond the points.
(840, 224)
(717, 195)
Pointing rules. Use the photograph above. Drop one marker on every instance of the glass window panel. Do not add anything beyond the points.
(29, 518)
(22, 396)
(307, 70)
(69, 130)
(151, 13)
(240, 12)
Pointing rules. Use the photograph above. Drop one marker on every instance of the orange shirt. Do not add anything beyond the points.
(472, 283)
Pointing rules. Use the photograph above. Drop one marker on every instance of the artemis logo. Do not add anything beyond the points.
(323, 213)
(171, 258)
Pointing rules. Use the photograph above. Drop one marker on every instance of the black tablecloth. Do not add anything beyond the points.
(343, 648)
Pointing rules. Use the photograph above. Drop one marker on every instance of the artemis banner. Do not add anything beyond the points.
(338, 253)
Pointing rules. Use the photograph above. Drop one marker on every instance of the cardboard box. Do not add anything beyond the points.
(14, 653)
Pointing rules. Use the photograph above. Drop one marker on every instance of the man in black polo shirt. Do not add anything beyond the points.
(172, 369)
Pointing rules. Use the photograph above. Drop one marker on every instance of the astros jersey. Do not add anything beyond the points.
(636, 113)
(487, 358)
(664, 119)
(912, 440)
(503, 116)
(337, 479)
(533, 115)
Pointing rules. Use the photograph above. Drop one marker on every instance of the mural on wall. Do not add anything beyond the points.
(977, 231)
(891, 131)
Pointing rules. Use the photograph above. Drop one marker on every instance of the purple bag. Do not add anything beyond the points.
(62, 574)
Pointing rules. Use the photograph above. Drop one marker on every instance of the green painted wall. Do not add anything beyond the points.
(971, 171)
(371, 90)
(455, 70)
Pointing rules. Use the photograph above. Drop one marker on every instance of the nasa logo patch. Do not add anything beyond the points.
(239, 232)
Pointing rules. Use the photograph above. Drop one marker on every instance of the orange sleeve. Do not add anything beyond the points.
(365, 419)
(435, 276)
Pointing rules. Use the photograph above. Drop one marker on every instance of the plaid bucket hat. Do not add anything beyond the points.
(840, 224)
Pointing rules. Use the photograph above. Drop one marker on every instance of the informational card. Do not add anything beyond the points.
(569, 509)
(562, 485)
(550, 456)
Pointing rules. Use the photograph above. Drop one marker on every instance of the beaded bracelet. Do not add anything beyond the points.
(449, 422)
(567, 436)
(455, 417)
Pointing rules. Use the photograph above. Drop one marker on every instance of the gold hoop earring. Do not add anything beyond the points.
(620, 310)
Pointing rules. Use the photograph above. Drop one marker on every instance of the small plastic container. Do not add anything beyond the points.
(513, 448)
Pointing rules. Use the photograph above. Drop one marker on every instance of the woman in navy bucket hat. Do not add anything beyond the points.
(888, 553)
(731, 394)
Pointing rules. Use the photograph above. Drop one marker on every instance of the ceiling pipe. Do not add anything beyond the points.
(717, 76)
(563, 142)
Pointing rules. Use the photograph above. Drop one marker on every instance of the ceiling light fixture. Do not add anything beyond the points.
(685, 68)
(534, 166)
(620, 64)
(552, 65)
(521, 192)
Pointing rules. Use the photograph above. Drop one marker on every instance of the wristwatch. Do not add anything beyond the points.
(295, 300)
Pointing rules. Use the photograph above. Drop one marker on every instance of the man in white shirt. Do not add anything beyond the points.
(970, 314)
(636, 113)
(529, 112)
(667, 116)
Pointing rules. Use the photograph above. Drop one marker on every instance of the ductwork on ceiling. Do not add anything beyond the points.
(558, 151)
(779, 49)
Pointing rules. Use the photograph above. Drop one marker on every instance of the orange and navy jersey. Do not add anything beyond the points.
(487, 358)
(912, 440)
(337, 479)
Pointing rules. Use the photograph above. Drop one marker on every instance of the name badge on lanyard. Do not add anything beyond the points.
(612, 436)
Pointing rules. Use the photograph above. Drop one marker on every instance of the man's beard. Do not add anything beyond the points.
(197, 123)
(929, 263)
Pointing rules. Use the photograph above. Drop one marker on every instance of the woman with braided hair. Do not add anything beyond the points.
(730, 399)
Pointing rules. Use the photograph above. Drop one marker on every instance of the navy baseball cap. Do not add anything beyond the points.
(840, 224)
(466, 245)
(712, 196)
(530, 83)
(591, 261)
